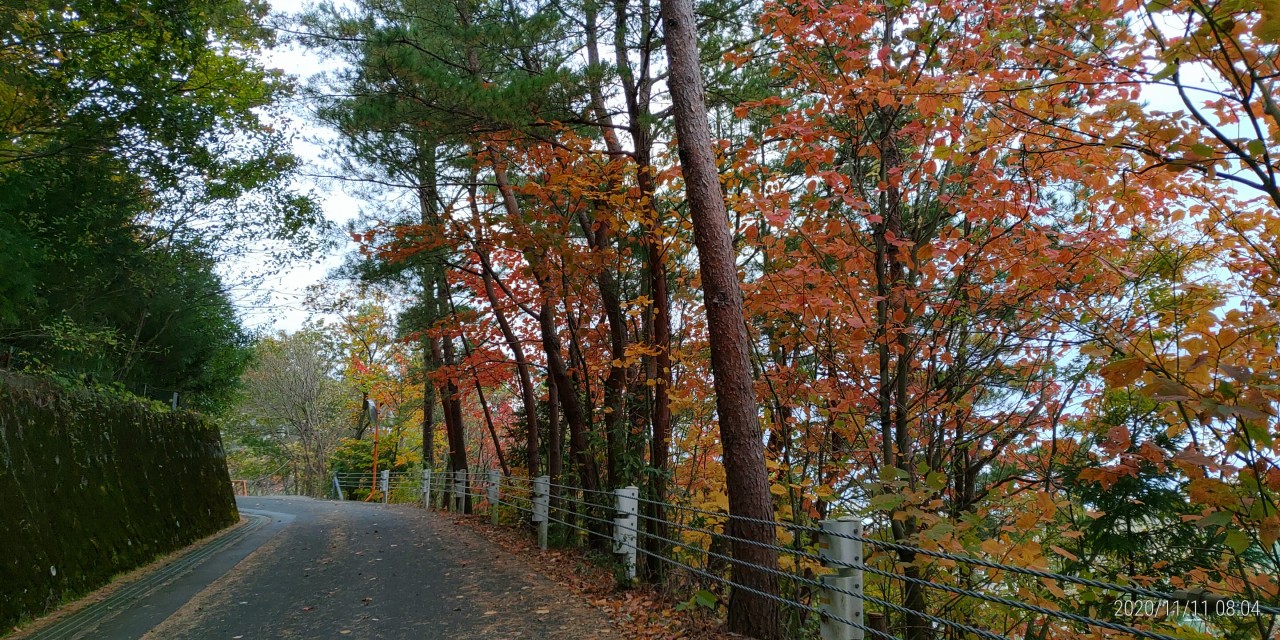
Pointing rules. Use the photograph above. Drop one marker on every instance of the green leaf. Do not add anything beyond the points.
(1166, 72)
(1215, 519)
(887, 501)
(1238, 541)
(1202, 150)
(705, 599)
(1268, 28)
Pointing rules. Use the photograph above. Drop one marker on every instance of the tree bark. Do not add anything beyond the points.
(746, 478)
(454, 428)
(555, 448)
(427, 198)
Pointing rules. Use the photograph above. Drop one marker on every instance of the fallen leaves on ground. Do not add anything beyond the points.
(642, 612)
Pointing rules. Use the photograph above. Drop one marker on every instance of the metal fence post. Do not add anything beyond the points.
(337, 486)
(426, 489)
(385, 483)
(842, 592)
(541, 504)
(494, 494)
(624, 528)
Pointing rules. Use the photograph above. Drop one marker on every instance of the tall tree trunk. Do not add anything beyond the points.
(599, 237)
(615, 424)
(746, 478)
(493, 432)
(427, 199)
(659, 370)
(528, 399)
(895, 368)
(637, 85)
(484, 403)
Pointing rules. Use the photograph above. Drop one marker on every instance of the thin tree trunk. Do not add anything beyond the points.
(555, 446)
(428, 404)
(454, 427)
(588, 472)
(599, 238)
(484, 404)
(493, 433)
(527, 394)
(894, 379)
(746, 478)
(660, 372)
(574, 415)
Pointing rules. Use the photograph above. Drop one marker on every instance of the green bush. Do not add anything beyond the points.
(94, 484)
(356, 456)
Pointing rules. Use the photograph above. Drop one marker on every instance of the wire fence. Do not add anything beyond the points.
(395, 487)
(825, 583)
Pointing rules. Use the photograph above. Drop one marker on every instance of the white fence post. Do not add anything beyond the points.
(624, 528)
(842, 595)
(426, 489)
(494, 494)
(385, 483)
(459, 490)
(337, 486)
(541, 507)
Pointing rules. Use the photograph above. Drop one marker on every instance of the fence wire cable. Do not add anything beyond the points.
(942, 555)
(1150, 635)
(791, 603)
(641, 532)
(754, 543)
(815, 583)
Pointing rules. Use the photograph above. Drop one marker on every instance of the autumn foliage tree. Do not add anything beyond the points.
(998, 298)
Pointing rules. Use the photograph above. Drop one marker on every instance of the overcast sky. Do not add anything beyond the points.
(277, 303)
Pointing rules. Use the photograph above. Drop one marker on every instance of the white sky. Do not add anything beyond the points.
(276, 305)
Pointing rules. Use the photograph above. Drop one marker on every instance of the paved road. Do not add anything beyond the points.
(356, 570)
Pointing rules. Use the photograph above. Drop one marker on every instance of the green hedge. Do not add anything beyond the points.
(92, 485)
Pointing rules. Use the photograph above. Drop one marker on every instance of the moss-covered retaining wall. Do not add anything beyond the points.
(92, 485)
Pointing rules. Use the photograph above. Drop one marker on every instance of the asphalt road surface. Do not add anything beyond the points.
(324, 569)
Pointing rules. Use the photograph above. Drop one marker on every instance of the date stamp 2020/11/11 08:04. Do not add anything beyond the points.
(1157, 608)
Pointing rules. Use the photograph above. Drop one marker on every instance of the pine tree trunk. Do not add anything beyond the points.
(748, 487)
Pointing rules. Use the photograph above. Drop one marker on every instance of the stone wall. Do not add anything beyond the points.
(95, 484)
